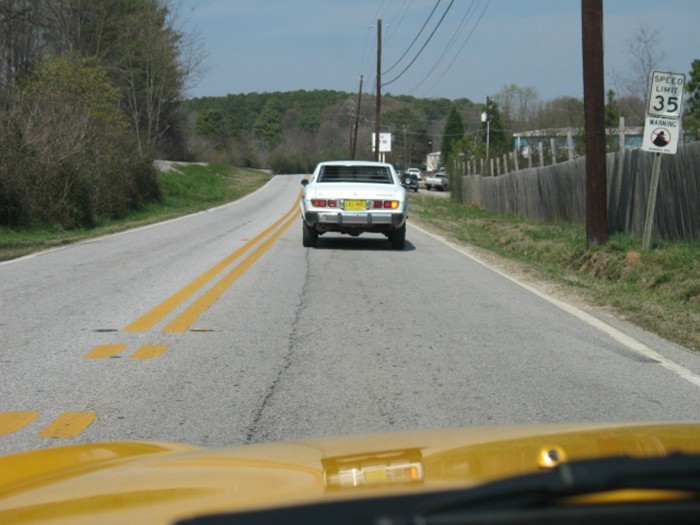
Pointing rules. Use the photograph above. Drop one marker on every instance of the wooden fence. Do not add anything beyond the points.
(558, 192)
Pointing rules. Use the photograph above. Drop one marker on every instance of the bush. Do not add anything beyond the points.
(66, 153)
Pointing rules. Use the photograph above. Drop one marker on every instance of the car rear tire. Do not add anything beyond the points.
(397, 238)
(309, 235)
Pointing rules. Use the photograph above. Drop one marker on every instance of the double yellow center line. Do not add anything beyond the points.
(188, 317)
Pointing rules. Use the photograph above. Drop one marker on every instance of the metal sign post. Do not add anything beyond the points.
(662, 130)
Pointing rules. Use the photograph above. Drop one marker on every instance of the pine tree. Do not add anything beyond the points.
(453, 132)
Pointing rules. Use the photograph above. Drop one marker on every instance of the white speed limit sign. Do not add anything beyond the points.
(666, 94)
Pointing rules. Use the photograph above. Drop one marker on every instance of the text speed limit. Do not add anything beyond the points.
(666, 94)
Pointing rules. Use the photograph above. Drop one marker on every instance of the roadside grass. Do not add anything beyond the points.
(658, 289)
(186, 189)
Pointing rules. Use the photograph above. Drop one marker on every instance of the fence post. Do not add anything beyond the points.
(553, 146)
(570, 144)
(540, 150)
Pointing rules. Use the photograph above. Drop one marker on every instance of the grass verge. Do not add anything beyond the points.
(186, 189)
(657, 289)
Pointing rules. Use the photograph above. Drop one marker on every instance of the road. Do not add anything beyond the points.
(220, 329)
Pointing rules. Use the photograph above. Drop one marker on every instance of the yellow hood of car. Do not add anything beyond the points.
(159, 483)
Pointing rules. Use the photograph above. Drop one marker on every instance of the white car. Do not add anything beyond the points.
(415, 171)
(354, 197)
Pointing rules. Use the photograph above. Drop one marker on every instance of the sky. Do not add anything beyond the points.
(479, 47)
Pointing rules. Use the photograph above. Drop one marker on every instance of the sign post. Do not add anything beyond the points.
(662, 130)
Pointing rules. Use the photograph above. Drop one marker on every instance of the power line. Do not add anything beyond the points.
(395, 27)
(422, 48)
(415, 39)
(460, 28)
(476, 24)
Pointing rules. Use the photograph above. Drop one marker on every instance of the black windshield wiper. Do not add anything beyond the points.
(675, 472)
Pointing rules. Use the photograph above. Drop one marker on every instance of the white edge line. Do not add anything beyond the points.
(619, 336)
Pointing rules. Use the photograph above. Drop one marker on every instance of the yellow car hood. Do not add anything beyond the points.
(159, 483)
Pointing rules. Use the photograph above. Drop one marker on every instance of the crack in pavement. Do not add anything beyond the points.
(254, 433)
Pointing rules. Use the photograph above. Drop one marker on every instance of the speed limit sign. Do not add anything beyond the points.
(666, 94)
(662, 126)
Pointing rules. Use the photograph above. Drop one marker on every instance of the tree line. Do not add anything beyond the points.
(290, 132)
(89, 95)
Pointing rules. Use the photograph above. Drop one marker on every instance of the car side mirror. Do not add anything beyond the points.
(304, 182)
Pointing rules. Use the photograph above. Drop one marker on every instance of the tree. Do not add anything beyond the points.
(74, 137)
(453, 132)
(518, 105)
(268, 125)
(562, 112)
(691, 121)
(136, 42)
(612, 111)
(646, 55)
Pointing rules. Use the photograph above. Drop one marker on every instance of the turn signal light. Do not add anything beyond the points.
(387, 205)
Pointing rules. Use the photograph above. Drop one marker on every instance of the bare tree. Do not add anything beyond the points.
(645, 55)
(518, 105)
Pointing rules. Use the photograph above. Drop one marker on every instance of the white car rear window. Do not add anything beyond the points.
(376, 174)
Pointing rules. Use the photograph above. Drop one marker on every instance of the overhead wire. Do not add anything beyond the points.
(458, 31)
(476, 24)
(422, 48)
(395, 26)
(420, 32)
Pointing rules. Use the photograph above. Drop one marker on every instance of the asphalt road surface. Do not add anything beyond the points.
(221, 329)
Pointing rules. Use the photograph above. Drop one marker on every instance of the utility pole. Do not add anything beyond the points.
(357, 121)
(594, 109)
(378, 111)
(485, 117)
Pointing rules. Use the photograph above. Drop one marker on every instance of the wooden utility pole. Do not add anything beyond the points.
(357, 121)
(378, 111)
(594, 108)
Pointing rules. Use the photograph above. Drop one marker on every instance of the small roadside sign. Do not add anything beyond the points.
(662, 130)
(666, 94)
(661, 135)
(662, 126)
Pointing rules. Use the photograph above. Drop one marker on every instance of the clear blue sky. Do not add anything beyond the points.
(284, 45)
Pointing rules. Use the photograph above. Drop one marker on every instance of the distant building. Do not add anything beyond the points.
(432, 161)
(565, 138)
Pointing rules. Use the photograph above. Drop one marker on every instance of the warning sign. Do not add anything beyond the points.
(662, 127)
(661, 135)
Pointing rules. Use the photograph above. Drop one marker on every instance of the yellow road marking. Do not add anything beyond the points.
(151, 318)
(13, 421)
(189, 316)
(149, 351)
(68, 424)
(103, 351)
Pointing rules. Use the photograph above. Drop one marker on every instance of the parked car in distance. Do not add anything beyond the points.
(438, 181)
(354, 197)
(409, 181)
(415, 171)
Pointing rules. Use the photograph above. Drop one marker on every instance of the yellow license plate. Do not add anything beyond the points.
(355, 205)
